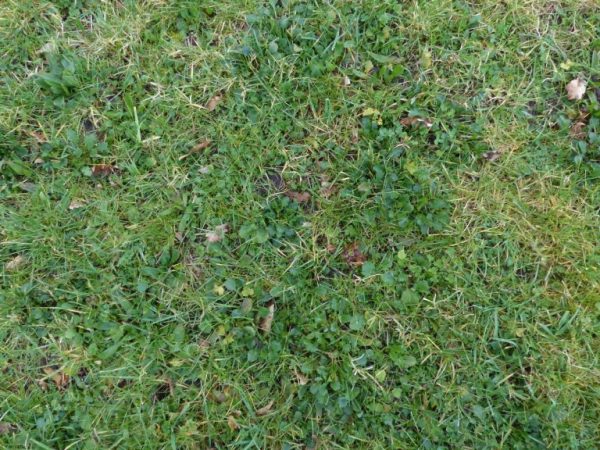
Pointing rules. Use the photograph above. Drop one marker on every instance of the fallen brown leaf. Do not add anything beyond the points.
(6, 428)
(76, 204)
(213, 237)
(300, 197)
(61, 379)
(219, 396)
(330, 248)
(302, 380)
(415, 121)
(15, 263)
(233, 425)
(39, 136)
(214, 102)
(218, 233)
(327, 189)
(201, 145)
(265, 409)
(492, 155)
(353, 255)
(27, 186)
(103, 170)
(577, 130)
(576, 89)
(266, 322)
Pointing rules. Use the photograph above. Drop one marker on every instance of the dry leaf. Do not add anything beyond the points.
(213, 237)
(265, 409)
(38, 161)
(76, 204)
(61, 379)
(204, 344)
(415, 121)
(15, 263)
(233, 425)
(300, 197)
(6, 428)
(214, 102)
(201, 145)
(267, 321)
(223, 228)
(347, 81)
(102, 170)
(39, 136)
(577, 130)
(219, 396)
(353, 255)
(331, 248)
(492, 155)
(302, 380)
(27, 186)
(217, 234)
(576, 89)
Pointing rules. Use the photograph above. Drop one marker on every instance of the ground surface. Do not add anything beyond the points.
(299, 224)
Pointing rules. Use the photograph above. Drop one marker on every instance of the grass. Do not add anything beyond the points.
(405, 184)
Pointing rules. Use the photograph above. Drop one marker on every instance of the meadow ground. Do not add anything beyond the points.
(299, 224)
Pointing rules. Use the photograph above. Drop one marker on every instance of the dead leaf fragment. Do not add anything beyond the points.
(353, 255)
(347, 81)
(61, 379)
(576, 89)
(218, 233)
(265, 409)
(302, 379)
(415, 121)
(233, 425)
(492, 155)
(27, 186)
(15, 263)
(300, 197)
(266, 322)
(213, 237)
(214, 102)
(103, 170)
(6, 428)
(577, 130)
(201, 145)
(76, 204)
(219, 396)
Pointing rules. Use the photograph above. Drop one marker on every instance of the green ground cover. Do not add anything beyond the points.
(299, 224)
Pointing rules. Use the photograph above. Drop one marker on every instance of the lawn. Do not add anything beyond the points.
(287, 224)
